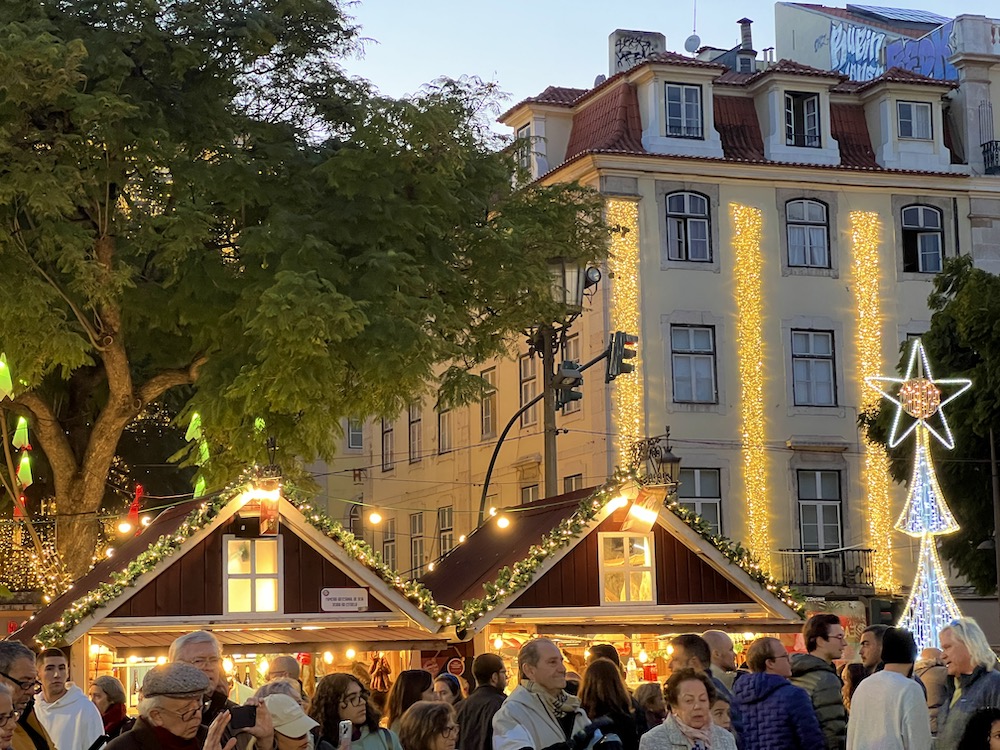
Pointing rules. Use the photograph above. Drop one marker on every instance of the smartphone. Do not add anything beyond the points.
(346, 729)
(242, 717)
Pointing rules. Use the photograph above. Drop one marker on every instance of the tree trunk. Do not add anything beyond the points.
(77, 537)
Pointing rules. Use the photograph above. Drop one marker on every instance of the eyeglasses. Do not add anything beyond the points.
(29, 686)
(355, 699)
(840, 637)
(184, 715)
(450, 731)
(6, 719)
(204, 661)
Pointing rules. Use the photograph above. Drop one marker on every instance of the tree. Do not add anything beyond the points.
(196, 197)
(963, 342)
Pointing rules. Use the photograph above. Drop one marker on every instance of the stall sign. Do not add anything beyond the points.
(456, 666)
(343, 600)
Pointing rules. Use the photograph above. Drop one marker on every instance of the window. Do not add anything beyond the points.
(700, 491)
(386, 445)
(529, 493)
(802, 119)
(923, 239)
(813, 381)
(355, 436)
(444, 431)
(693, 359)
(808, 234)
(446, 529)
(573, 482)
(355, 522)
(416, 431)
(488, 406)
(819, 510)
(571, 353)
(252, 573)
(389, 543)
(416, 544)
(524, 147)
(687, 228)
(529, 389)
(914, 120)
(625, 562)
(683, 111)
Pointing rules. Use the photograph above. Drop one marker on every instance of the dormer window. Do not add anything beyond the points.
(684, 111)
(914, 119)
(802, 119)
(524, 147)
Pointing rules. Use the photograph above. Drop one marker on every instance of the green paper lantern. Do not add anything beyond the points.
(24, 471)
(21, 434)
(6, 386)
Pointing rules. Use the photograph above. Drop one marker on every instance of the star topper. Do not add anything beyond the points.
(919, 395)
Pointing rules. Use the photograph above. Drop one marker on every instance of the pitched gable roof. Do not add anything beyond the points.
(739, 129)
(612, 123)
(849, 128)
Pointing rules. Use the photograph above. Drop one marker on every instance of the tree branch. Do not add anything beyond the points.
(160, 383)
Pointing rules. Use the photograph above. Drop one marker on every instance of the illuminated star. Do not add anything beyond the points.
(920, 396)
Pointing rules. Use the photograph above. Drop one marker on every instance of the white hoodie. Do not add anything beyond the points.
(72, 721)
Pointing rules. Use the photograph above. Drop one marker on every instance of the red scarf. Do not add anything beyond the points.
(114, 716)
(170, 741)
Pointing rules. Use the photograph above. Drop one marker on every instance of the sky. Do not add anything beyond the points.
(526, 45)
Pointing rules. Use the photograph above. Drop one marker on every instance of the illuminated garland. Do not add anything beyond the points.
(865, 229)
(748, 263)
(623, 265)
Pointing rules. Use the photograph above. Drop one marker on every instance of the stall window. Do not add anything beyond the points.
(626, 568)
(253, 575)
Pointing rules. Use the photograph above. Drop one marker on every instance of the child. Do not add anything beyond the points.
(720, 714)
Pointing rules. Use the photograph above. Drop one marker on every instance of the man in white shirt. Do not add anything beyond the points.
(888, 710)
(70, 718)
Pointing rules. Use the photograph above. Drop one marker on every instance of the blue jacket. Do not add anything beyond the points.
(776, 714)
(979, 690)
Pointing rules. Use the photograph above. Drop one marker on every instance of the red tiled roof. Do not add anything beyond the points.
(461, 575)
(732, 78)
(736, 121)
(901, 75)
(862, 20)
(674, 58)
(849, 128)
(790, 67)
(612, 123)
(557, 96)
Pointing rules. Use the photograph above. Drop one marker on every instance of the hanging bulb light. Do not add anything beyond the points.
(124, 527)
(350, 653)
(503, 522)
(328, 657)
(375, 517)
(498, 643)
(643, 656)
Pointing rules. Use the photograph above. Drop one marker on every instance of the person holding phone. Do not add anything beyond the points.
(341, 697)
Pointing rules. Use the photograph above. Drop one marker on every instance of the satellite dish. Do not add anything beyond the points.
(692, 43)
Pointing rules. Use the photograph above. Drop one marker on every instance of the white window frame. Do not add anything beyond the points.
(446, 443)
(388, 444)
(417, 558)
(627, 568)
(488, 405)
(529, 493)
(910, 125)
(528, 387)
(812, 362)
(253, 576)
(929, 239)
(692, 356)
(571, 353)
(681, 224)
(355, 434)
(802, 110)
(354, 516)
(815, 234)
(524, 147)
(572, 483)
(688, 120)
(416, 433)
(690, 495)
(823, 506)
(389, 543)
(446, 529)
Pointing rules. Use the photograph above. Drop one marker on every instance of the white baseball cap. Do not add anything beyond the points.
(287, 716)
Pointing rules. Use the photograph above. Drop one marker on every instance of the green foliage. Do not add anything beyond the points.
(963, 342)
(194, 187)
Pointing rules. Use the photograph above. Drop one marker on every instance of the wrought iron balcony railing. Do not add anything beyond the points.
(850, 568)
(991, 156)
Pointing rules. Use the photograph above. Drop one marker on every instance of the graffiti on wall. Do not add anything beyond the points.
(633, 47)
(927, 55)
(856, 51)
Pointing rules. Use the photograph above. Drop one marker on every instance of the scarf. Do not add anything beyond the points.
(558, 705)
(114, 716)
(694, 736)
(170, 741)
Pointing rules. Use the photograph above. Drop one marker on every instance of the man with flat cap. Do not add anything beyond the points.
(170, 714)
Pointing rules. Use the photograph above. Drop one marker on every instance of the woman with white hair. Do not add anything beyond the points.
(8, 718)
(973, 679)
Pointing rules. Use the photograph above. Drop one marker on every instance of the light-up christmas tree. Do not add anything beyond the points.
(926, 514)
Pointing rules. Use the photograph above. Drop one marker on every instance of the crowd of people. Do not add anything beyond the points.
(893, 699)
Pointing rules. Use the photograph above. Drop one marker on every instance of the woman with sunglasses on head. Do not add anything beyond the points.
(341, 697)
(429, 725)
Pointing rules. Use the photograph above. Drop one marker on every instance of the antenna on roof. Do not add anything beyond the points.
(693, 42)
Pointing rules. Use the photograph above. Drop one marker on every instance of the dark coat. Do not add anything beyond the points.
(475, 718)
(142, 737)
(979, 690)
(623, 724)
(776, 714)
(819, 679)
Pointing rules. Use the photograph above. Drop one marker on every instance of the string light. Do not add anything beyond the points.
(748, 262)
(865, 233)
(623, 267)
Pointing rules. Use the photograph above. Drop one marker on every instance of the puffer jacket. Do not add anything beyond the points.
(819, 679)
(979, 690)
(776, 714)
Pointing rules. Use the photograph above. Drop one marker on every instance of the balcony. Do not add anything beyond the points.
(991, 156)
(847, 569)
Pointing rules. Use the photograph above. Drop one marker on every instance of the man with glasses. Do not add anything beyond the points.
(169, 712)
(814, 672)
(17, 671)
(776, 714)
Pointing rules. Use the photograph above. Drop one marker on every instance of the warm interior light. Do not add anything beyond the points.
(645, 516)
(617, 502)
(350, 653)
(227, 664)
(264, 666)
(94, 649)
(503, 522)
(748, 636)
(498, 643)
(328, 657)
(375, 517)
(161, 660)
(643, 656)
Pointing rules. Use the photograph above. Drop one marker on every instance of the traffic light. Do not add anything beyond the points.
(622, 348)
(566, 380)
(883, 611)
